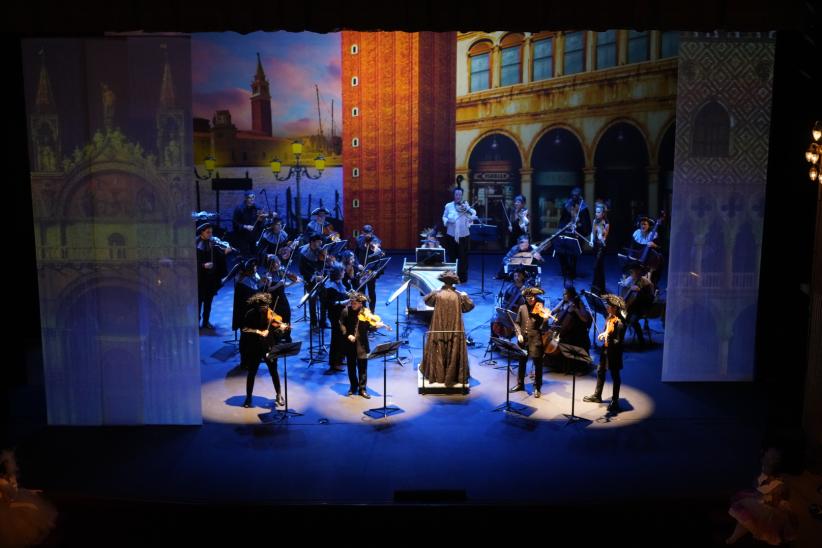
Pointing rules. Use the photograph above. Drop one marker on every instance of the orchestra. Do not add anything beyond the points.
(332, 277)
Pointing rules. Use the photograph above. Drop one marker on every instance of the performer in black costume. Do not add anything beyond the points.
(574, 208)
(244, 222)
(260, 331)
(355, 344)
(336, 296)
(311, 265)
(246, 285)
(211, 267)
(529, 336)
(368, 249)
(611, 353)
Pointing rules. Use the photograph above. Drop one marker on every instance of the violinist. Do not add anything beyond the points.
(261, 329)
(355, 343)
(529, 324)
(519, 222)
(276, 281)
(247, 284)
(576, 217)
(336, 298)
(368, 250)
(351, 270)
(598, 240)
(311, 265)
(272, 240)
(211, 267)
(244, 221)
(320, 226)
(457, 217)
(611, 353)
(637, 293)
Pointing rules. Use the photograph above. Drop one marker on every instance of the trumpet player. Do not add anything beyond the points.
(457, 217)
(369, 250)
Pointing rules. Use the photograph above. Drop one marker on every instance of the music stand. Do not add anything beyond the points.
(574, 354)
(322, 350)
(284, 350)
(395, 297)
(430, 255)
(510, 348)
(382, 351)
(569, 246)
(483, 233)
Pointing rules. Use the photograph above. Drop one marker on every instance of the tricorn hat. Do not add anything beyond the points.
(532, 291)
(203, 227)
(367, 229)
(320, 210)
(315, 236)
(614, 300)
(449, 277)
(357, 296)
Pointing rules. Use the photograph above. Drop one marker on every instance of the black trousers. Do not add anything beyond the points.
(568, 263)
(357, 371)
(598, 281)
(253, 349)
(616, 377)
(633, 321)
(463, 246)
(372, 294)
(204, 302)
(523, 362)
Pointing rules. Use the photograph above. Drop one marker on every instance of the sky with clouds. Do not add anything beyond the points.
(223, 66)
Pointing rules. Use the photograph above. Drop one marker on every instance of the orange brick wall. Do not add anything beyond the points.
(406, 96)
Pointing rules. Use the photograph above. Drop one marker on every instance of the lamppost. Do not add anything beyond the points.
(210, 165)
(814, 153)
(298, 171)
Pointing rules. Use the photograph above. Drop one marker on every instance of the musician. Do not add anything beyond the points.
(430, 238)
(257, 336)
(355, 344)
(510, 301)
(311, 265)
(275, 285)
(211, 267)
(244, 222)
(637, 292)
(445, 356)
(576, 217)
(524, 251)
(320, 226)
(610, 358)
(457, 217)
(573, 319)
(519, 222)
(351, 270)
(642, 237)
(368, 249)
(246, 285)
(529, 336)
(598, 240)
(272, 239)
(336, 298)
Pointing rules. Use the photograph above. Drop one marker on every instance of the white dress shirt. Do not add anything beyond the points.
(457, 223)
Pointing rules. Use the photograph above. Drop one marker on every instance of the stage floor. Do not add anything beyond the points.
(672, 441)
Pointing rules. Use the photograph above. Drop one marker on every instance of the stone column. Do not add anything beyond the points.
(655, 42)
(622, 47)
(526, 187)
(812, 413)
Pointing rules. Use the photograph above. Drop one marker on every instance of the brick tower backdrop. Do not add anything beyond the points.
(399, 121)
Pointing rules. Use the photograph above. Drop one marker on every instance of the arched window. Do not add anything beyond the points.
(116, 246)
(574, 56)
(639, 46)
(606, 49)
(712, 129)
(479, 66)
(511, 65)
(543, 57)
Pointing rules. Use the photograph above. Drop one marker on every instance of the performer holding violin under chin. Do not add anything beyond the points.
(320, 226)
(355, 323)
(519, 223)
(261, 329)
(311, 262)
(457, 217)
(368, 250)
(531, 318)
(246, 219)
(211, 267)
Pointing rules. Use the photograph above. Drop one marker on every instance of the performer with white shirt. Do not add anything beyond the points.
(457, 217)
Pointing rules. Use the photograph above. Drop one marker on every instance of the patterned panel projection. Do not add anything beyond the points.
(110, 148)
(718, 204)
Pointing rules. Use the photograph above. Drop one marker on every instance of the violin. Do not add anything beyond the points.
(276, 321)
(372, 319)
(540, 310)
(286, 251)
(222, 244)
(330, 233)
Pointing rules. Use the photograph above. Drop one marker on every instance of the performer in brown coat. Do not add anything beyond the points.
(445, 357)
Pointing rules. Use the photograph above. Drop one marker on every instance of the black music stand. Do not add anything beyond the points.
(568, 246)
(314, 357)
(597, 305)
(430, 256)
(382, 351)
(510, 348)
(283, 351)
(578, 355)
(395, 297)
(483, 233)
